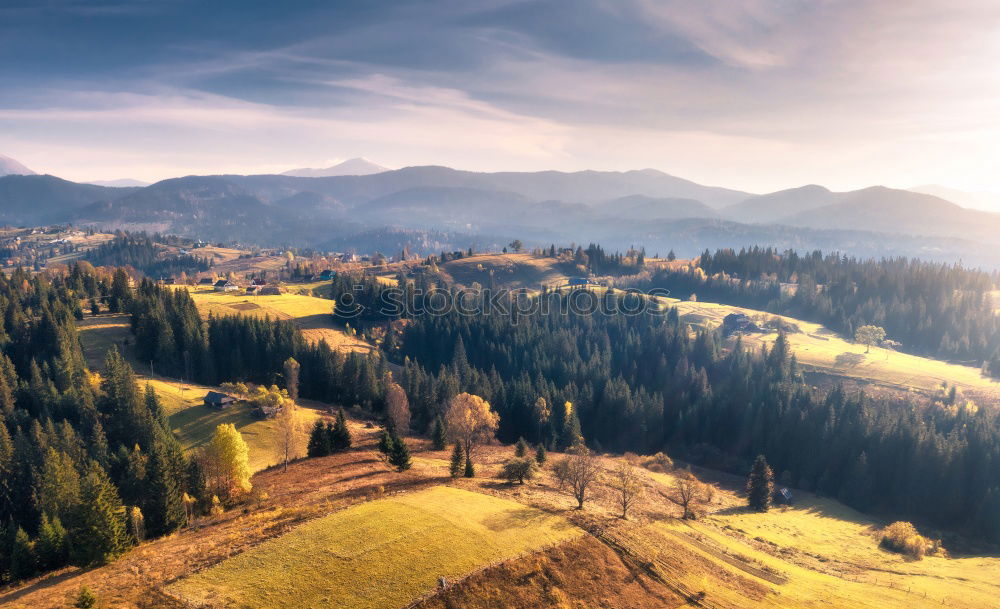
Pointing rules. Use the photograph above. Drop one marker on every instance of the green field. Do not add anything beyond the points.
(193, 423)
(376, 555)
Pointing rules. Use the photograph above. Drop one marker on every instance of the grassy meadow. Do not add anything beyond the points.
(818, 553)
(311, 313)
(378, 554)
(821, 349)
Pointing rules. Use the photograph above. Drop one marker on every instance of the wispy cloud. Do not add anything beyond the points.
(759, 94)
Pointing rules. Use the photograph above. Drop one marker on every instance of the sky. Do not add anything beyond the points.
(758, 95)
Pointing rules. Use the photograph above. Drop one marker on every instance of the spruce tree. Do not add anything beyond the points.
(540, 455)
(400, 455)
(439, 436)
(386, 445)
(23, 563)
(520, 448)
(51, 547)
(164, 498)
(320, 442)
(760, 485)
(457, 461)
(470, 470)
(85, 599)
(341, 434)
(99, 533)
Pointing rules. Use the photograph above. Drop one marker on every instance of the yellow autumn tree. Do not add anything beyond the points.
(227, 462)
(471, 421)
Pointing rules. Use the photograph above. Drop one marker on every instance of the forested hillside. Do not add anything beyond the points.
(934, 309)
(88, 466)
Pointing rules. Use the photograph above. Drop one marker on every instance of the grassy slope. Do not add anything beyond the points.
(311, 313)
(511, 270)
(821, 349)
(378, 554)
(827, 556)
(190, 419)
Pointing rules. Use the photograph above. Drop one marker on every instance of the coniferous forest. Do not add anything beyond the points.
(941, 310)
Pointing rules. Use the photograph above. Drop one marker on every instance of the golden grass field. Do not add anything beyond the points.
(821, 349)
(378, 554)
(511, 270)
(823, 554)
(312, 314)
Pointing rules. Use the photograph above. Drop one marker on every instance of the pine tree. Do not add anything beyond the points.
(540, 455)
(399, 457)
(51, 546)
(760, 485)
(457, 461)
(99, 533)
(23, 563)
(385, 445)
(340, 437)
(521, 448)
(86, 599)
(470, 469)
(439, 437)
(320, 441)
(164, 498)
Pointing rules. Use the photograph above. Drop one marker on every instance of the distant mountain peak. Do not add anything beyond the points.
(358, 166)
(121, 183)
(9, 166)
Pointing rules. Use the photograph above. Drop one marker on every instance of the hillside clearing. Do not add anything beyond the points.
(823, 350)
(312, 314)
(379, 554)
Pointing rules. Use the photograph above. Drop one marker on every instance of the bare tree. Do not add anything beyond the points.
(626, 485)
(398, 408)
(582, 472)
(289, 430)
(687, 492)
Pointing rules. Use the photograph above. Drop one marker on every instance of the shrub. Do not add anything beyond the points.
(519, 469)
(659, 462)
(903, 537)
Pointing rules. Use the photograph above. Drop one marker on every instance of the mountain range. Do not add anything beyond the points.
(618, 209)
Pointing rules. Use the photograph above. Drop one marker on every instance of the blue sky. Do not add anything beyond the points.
(757, 94)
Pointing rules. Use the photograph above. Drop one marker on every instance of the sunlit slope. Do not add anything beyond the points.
(819, 348)
(312, 314)
(379, 554)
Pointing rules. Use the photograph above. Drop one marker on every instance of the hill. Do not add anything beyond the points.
(359, 166)
(41, 199)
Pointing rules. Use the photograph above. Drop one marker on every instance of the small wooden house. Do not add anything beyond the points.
(224, 285)
(216, 399)
(784, 496)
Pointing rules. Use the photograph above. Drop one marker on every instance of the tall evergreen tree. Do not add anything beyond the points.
(99, 532)
(457, 461)
(439, 437)
(760, 485)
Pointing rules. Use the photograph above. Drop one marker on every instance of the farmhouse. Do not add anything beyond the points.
(738, 323)
(215, 399)
(224, 285)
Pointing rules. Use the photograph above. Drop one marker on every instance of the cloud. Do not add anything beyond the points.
(758, 94)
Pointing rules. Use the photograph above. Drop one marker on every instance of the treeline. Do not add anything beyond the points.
(170, 332)
(140, 252)
(643, 383)
(86, 469)
(931, 308)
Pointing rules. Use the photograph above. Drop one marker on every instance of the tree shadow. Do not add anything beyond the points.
(848, 360)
